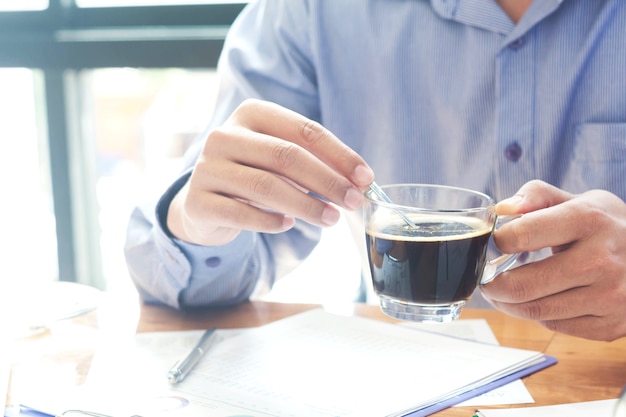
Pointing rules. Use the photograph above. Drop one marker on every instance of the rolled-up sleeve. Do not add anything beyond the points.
(168, 270)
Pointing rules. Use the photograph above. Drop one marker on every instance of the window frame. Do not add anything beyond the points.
(64, 39)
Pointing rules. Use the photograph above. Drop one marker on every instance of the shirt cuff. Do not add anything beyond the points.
(163, 205)
(195, 268)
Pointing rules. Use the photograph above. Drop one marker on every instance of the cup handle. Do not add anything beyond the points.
(498, 265)
(502, 263)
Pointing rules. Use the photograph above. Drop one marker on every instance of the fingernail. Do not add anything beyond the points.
(353, 199)
(363, 175)
(288, 222)
(330, 216)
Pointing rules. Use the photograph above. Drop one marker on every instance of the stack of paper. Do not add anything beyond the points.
(310, 365)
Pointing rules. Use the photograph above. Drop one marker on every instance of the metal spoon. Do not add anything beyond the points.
(375, 188)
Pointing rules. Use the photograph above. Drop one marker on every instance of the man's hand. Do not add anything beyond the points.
(257, 172)
(581, 289)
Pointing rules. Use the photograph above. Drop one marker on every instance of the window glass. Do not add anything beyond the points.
(16, 5)
(26, 212)
(141, 122)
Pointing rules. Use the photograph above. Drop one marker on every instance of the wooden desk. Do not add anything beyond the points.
(586, 370)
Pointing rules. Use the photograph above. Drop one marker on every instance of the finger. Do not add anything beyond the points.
(570, 313)
(546, 293)
(520, 234)
(539, 279)
(532, 196)
(603, 328)
(285, 159)
(265, 191)
(551, 227)
(557, 306)
(234, 215)
(310, 135)
(210, 219)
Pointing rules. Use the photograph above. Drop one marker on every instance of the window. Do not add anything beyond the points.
(27, 210)
(6, 5)
(131, 3)
(80, 88)
(99, 99)
(141, 121)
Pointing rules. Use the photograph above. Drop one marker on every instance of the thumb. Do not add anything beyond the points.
(532, 196)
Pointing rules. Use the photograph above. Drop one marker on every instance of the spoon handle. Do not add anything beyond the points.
(375, 188)
(380, 193)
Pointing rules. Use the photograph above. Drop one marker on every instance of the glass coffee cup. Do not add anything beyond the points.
(427, 248)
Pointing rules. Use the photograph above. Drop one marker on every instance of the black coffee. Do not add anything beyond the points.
(438, 262)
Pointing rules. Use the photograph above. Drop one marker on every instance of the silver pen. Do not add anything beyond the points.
(181, 369)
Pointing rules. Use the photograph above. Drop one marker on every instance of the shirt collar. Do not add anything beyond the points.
(486, 14)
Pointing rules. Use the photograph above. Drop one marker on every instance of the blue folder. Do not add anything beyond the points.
(426, 411)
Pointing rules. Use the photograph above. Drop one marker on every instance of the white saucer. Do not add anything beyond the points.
(36, 307)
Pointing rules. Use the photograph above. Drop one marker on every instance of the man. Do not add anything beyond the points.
(511, 98)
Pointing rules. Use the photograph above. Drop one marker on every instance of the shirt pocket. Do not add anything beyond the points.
(599, 159)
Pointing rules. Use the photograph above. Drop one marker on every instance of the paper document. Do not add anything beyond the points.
(319, 364)
(314, 364)
(603, 408)
(478, 330)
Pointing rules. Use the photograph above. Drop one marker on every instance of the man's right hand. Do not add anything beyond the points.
(257, 172)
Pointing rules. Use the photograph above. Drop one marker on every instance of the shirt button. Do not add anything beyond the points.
(517, 43)
(513, 152)
(212, 262)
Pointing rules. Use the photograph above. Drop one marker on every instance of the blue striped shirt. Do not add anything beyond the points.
(432, 91)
